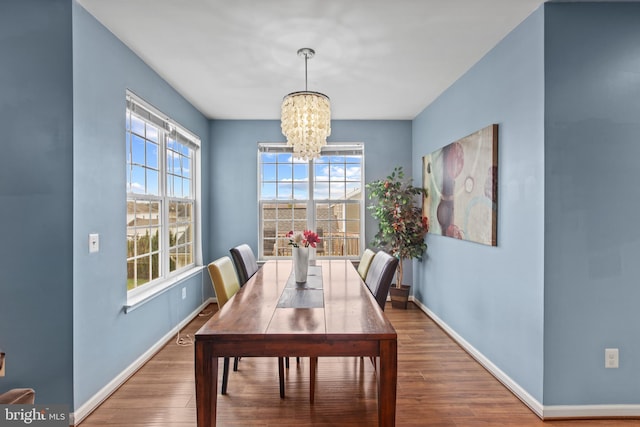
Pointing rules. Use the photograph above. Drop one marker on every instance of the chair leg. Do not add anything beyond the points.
(286, 362)
(281, 375)
(312, 378)
(225, 375)
(235, 364)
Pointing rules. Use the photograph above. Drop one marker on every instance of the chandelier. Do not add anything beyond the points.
(306, 118)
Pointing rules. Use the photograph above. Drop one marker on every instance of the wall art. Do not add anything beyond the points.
(462, 183)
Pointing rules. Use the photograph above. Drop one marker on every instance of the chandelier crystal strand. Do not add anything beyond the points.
(306, 118)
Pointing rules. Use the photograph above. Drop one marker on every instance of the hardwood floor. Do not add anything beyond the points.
(438, 385)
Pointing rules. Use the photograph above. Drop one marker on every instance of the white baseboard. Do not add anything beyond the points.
(591, 411)
(544, 412)
(106, 391)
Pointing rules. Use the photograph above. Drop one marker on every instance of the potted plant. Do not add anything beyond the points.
(401, 226)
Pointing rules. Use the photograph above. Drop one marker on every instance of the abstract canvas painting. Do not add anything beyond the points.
(462, 188)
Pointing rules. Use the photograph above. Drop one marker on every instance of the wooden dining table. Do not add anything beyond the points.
(333, 314)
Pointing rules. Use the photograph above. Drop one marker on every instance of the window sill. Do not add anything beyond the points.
(142, 298)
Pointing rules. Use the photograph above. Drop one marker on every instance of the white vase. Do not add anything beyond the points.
(300, 264)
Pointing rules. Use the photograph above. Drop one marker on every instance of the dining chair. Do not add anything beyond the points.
(382, 268)
(380, 275)
(365, 262)
(246, 266)
(245, 262)
(225, 284)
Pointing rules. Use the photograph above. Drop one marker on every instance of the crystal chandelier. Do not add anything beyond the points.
(306, 118)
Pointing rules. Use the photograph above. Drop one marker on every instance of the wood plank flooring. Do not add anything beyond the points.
(439, 384)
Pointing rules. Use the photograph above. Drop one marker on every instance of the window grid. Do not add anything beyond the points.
(334, 211)
(159, 185)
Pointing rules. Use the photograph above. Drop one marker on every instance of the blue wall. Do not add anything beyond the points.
(592, 200)
(493, 296)
(233, 161)
(106, 340)
(36, 191)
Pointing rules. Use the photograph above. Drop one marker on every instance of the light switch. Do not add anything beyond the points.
(94, 243)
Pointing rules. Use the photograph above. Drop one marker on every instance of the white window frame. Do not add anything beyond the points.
(167, 279)
(311, 203)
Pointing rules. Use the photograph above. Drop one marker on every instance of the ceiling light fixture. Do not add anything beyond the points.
(306, 117)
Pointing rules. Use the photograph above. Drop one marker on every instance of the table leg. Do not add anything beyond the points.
(206, 384)
(313, 367)
(387, 382)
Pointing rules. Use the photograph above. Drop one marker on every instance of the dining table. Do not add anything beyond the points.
(332, 314)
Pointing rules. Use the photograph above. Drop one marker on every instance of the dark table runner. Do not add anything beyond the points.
(303, 295)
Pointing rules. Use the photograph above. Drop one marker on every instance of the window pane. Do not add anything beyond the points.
(301, 190)
(143, 266)
(131, 245)
(284, 157)
(137, 150)
(173, 259)
(155, 266)
(152, 155)
(285, 191)
(138, 180)
(321, 172)
(186, 187)
(321, 191)
(152, 182)
(285, 172)
(186, 167)
(337, 190)
(131, 274)
(353, 172)
(269, 247)
(301, 172)
(268, 172)
(137, 125)
(268, 191)
(177, 186)
(152, 133)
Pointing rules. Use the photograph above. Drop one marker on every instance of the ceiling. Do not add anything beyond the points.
(375, 59)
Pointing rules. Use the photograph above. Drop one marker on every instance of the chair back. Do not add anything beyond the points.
(245, 261)
(224, 278)
(379, 276)
(365, 262)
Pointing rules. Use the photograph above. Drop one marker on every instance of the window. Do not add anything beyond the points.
(161, 196)
(325, 195)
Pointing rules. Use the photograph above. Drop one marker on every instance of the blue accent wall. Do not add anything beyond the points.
(106, 340)
(592, 200)
(36, 205)
(493, 296)
(234, 181)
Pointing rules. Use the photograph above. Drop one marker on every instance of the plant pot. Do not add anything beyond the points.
(399, 296)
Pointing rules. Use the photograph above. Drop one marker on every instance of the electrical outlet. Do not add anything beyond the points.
(611, 357)
(184, 293)
(94, 243)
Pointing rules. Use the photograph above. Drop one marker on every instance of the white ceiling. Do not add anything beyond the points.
(375, 59)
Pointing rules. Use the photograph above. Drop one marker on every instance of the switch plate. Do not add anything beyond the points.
(94, 243)
(184, 293)
(611, 357)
